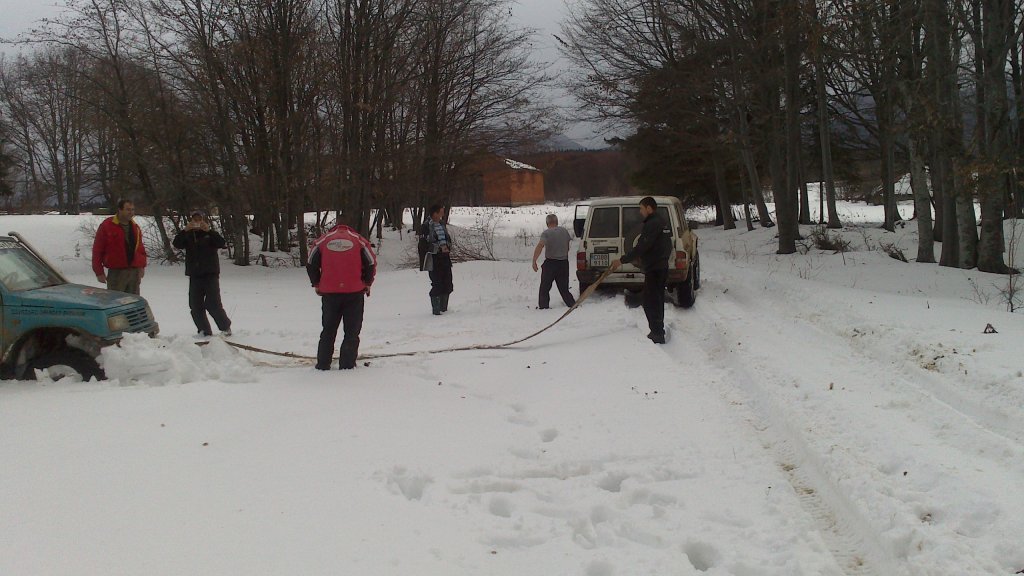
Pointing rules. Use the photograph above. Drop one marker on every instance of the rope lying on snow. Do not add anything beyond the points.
(586, 294)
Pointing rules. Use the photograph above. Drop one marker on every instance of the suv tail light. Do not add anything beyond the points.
(581, 260)
(682, 260)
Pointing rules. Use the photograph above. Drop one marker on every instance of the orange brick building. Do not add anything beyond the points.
(506, 182)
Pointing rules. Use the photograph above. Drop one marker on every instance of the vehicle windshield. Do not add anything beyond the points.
(20, 270)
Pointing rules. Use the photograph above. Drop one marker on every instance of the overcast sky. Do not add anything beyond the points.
(18, 16)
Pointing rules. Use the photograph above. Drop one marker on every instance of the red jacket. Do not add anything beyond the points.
(342, 262)
(110, 250)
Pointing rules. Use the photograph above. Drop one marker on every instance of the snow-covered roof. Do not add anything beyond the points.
(519, 165)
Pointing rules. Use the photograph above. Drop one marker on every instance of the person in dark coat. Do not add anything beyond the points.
(341, 270)
(653, 249)
(435, 243)
(202, 266)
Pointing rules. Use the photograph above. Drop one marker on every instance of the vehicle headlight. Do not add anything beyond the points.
(118, 323)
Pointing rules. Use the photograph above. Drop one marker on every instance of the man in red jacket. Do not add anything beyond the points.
(120, 249)
(341, 269)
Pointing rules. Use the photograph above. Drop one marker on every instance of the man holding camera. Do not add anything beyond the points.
(202, 266)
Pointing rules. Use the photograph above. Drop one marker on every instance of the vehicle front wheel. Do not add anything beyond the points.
(66, 362)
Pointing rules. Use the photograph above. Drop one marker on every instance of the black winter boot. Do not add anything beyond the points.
(435, 305)
(349, 352)
(444, 303)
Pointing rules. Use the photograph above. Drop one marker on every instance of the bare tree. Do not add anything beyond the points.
(478, 88)
(994, 33)
(817, 53)
(42, 92)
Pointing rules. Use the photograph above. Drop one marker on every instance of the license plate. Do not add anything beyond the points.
(599, 260)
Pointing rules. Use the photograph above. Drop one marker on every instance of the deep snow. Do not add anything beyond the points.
(813, 414)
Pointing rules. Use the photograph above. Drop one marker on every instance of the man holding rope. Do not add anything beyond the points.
(555, 243)
(341, 269)
(653, 249)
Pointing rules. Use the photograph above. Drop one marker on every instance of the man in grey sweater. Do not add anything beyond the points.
(555, 243)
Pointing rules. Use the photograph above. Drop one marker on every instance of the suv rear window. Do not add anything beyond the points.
(604, 222)
(632, 222)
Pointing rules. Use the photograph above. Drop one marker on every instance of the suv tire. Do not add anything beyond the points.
(686, 294)
(65, 362)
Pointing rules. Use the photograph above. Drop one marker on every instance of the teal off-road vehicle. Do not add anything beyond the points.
(51, 325)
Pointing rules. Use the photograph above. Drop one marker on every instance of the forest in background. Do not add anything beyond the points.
(263, 110)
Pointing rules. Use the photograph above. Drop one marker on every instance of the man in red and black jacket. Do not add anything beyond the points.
(341, 269)
(119, 248)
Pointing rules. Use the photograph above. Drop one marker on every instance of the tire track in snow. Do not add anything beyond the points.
(978, 422)
(932, 386)
(773, 358)
(854, 545)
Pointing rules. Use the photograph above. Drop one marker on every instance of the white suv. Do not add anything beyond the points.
(609, 225)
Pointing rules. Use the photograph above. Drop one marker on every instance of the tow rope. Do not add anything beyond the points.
(586, 294)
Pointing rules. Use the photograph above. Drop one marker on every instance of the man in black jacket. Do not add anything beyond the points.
(202, 266)
(653, 249)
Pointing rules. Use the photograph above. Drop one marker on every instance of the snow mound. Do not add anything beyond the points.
(141, 359)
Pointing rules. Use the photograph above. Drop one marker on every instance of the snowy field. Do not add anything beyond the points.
(813, 414)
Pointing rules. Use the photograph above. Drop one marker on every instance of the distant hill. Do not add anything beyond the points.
(560, 142)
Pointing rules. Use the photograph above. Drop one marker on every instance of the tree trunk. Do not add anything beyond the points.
(805, 198)
(922, 204)
(746, 201)
(240, 232)
(786, 201)
(728, 222)
(950, 255)
(777, 168)
(747, 154)
(997, 31)
(885, 144)
(938, 194)
(1016, 210)
(967, 228)
(300, 225)
(825, 136)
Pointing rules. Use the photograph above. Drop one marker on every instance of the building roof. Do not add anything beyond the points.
(519, 165)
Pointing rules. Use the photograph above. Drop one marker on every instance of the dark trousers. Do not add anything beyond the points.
(339, 309)
(556, 271)
(203, 297)
(654, 299)
(441, 275)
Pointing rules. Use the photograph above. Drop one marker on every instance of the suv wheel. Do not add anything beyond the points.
(66, 362)
(685, 292)
(696, 273)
